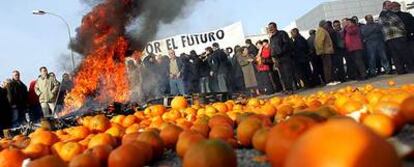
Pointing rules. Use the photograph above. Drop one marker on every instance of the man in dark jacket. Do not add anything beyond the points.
(253, 50)
(5, 109)
(204, 71)
(17, 96)
(340, 52)
(374, 41)
(191, 73)
(301, 58)
(219, 66)
(237, 73)
(282, 50)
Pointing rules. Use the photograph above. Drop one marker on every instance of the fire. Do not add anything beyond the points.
(101, 77)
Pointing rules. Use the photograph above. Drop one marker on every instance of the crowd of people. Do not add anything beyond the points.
(337, 51)
(20, 104)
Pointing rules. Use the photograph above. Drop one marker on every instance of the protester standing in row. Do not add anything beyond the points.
(316, 60)
(263, 65)
(5, 108)
(219, 66)
(46, 88)
(396, 38)
(282, 49)
(374, 41)
(17, 96)
(325, 49)
(353, 44)
(301, 58)
(176, 67)
(246, 62)
(34, 108)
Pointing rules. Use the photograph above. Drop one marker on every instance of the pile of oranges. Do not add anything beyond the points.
(347, 127)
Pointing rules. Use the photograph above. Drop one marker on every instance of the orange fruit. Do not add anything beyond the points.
(203, 129)
(259, 139)
(101, 139)
(118, 119)
(351, 106)
(342, 142)
(275, 101)
(44, 137)
(36, 150)
(220, 120)
(157, 110)
(70, 150)
(221, 132)
(127, 155)
(169, 135)
(155, 141)
(179, 102)
(132, 137)
(116, 130)
(85, 160)
(133, 128)
(187, 139)
(79, 132)
(101, 152)
(209, 153)
(129, 120)
(11, 157)
(282, 137)
(49, 161)
(246, 130)
(407, 109)
(380, 124)
(268, 110)
(220, 107)
(391, 83)
(283, 111)
(253, 102)
(99, 123)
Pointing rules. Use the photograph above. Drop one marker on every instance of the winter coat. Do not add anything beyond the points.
(33, 98)
(219, 63)
(252, 49)
(372, 32)
(5, 110)
(323, 42)
(17, 94)
(280, 45)
(301, 48)
(248, 71)
(353, 40)
(47, 89)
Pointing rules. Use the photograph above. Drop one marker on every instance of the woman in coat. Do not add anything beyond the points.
(246, 62)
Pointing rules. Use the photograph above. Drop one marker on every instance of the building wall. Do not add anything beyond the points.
(337, 10)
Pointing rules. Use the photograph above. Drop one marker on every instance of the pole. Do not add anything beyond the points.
(69, 34)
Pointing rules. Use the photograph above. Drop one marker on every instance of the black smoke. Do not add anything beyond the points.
(137, 20)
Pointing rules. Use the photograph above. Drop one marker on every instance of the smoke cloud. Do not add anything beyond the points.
(139, 21)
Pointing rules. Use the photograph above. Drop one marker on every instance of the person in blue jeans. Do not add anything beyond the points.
(176, 68)
(373, 38)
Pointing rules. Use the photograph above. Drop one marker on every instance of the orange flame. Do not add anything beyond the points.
(100, 73)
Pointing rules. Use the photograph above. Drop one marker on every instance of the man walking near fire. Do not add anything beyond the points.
(46, 88)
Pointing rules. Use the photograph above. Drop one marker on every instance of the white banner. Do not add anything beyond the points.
(229, 36)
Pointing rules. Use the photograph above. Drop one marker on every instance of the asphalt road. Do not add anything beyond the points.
(379, 81)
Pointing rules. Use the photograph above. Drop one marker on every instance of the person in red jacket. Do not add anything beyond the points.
(354, 47)
(263, 66)
(35, 111)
